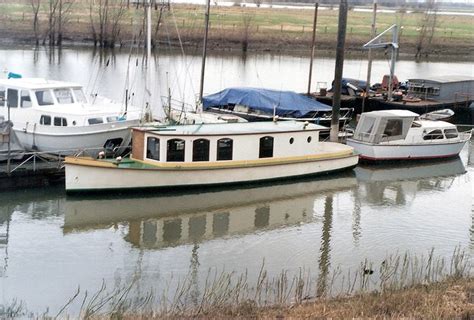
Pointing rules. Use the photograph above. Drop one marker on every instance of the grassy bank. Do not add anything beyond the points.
(400, 286)
(263, 29)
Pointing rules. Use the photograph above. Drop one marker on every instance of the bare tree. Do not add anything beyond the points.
(108, 19)
(64, 8)
(50, 32)
(35, 5)
(246, 23)
(427, 28)
(157, 26)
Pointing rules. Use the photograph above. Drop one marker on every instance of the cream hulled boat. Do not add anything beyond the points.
(212, 154)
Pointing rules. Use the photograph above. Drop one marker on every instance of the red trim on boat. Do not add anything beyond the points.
(408, 158)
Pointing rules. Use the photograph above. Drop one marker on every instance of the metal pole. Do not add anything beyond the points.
(9, 138)
(204, 50)
(313, 46)
(392, 63)
(336, 102)
(148, 31)
(369, 65)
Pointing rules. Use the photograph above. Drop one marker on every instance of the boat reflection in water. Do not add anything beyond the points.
(398, 184)
(175, 219)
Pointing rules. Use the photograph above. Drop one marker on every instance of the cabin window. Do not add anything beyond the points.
(112, 119)
(63, 95)
(309, 139)
(80, 96)
(2, 96)
(12, 98)
(25, 99)
(224, 149)
(451, 133)
(44, 97)
(201, 150)
(292, 140)
(153, 148)
(175, 150)
(433, 135)
(95, 120)
(60, 122)
(394, 127)
(45, 120)
(266, 147)
(365, 126)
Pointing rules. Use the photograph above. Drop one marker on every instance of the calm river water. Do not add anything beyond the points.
(55, 244)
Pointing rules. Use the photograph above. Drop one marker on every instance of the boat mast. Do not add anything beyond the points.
(313, 46)
(336, 102)
(369, 64)
(148, 59)
(376, 43)
(204, 51)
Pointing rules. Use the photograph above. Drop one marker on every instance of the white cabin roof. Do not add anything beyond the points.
(393, 113)
(234, 128)
(432, 124)
(37, 83)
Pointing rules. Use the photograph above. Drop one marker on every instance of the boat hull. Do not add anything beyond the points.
(68, 140)
(80, 177)
(379, 152)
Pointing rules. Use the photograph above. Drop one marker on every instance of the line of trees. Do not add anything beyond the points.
(105, 19)
(57, 16)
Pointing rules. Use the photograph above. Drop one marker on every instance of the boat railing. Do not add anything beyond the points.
(40, 160)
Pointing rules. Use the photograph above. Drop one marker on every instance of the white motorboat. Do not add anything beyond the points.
(212, 154)
(56, 116)
(400, 135)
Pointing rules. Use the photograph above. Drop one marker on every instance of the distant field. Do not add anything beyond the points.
(266, 28)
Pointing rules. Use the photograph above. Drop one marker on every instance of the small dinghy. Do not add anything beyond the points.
(443, 114)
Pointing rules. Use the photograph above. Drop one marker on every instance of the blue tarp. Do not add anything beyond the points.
(286, 103)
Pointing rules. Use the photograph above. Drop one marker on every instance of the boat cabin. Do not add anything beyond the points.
(49, 103)
(395, 125)
(443, 88)
(225, 142)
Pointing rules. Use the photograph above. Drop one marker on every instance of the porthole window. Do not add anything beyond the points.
(292, 140)
(309, 139)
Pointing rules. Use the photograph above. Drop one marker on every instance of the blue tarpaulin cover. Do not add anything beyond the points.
(286, 103)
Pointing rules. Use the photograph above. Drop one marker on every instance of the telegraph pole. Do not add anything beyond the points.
(313, 46)
(336, 102)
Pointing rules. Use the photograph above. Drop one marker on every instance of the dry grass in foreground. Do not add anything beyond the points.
(450, 299)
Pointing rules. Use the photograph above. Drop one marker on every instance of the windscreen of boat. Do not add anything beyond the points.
(365, 127)
(79, 94)
(63, 95)
(44, 97)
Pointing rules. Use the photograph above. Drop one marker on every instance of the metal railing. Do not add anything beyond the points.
(54, 159)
